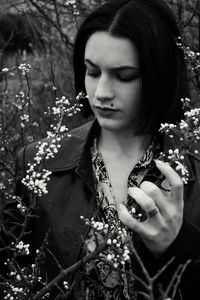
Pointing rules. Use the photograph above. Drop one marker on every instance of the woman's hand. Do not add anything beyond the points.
(164, 210)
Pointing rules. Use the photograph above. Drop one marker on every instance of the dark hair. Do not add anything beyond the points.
(151, 26)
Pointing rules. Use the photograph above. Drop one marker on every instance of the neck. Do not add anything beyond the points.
(125, 144)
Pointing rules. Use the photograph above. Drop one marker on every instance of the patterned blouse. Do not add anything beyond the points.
(100, 280)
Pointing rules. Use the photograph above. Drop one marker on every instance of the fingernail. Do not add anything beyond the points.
(159, 162)
(131, 189)
(121, 206)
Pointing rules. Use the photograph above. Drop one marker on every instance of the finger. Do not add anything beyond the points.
(165, 185)
(155, 193)
(128, 220)
(146, 202)
(172, 177)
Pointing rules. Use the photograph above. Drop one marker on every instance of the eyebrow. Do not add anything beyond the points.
(118, 68)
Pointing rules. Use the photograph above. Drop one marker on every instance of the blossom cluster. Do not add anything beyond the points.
(119, 252)
(115, 236)
(174, 155)
(66, 285)
(36, 181)
(36, 178)
(4, 70)
(14, 293)
(188, 133)
(20, 206)
(24, 68)
(22, 249)
(192, 58)
(73, 5)
(22, 103)
(24, 118)
(22, 280)
(63, 107)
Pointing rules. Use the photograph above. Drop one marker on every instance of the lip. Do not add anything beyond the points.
(105, 111)
(105, 108)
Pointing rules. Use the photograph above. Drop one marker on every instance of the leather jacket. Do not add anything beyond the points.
(71, 193)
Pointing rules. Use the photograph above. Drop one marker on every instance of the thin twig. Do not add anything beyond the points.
(64, 272)
(179, 278)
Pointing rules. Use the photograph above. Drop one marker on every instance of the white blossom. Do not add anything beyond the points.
(25, 68)
(5, 70)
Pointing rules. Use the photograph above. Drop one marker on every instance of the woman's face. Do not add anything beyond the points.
(112, 80)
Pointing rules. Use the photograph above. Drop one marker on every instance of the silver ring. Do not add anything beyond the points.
(153, 212)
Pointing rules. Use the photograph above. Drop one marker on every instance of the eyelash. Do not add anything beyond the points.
(95, 74)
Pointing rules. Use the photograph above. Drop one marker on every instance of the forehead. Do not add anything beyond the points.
(104, 49)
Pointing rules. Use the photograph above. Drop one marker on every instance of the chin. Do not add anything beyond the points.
(112, 125)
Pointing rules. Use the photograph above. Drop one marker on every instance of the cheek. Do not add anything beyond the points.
(132, 95)
(89, 85)
(90, 89)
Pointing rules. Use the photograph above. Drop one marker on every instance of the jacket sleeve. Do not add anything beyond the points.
(186, 247)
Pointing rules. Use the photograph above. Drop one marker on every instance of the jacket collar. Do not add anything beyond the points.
(73, 148)
(74, 151)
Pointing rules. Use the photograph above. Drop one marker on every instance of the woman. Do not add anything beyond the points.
(127, 61)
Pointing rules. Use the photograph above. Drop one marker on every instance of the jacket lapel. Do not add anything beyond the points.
(75, 154)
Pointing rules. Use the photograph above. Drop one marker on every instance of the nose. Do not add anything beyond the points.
(104, 89)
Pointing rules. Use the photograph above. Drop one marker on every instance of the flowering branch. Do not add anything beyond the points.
(64, 272)
(188, 132)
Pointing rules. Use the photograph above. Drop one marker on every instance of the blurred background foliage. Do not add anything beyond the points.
(41, 33)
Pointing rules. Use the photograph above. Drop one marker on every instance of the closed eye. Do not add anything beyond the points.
(128, 75)
(121, 73)
(93, 73)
